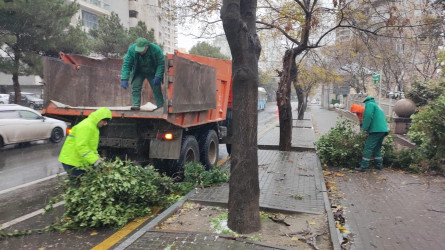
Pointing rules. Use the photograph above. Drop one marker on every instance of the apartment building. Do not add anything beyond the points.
(155, 14)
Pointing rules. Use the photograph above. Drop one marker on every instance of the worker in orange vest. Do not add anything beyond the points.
(358, 110)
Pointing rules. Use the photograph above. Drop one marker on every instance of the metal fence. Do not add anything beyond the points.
(386, 104)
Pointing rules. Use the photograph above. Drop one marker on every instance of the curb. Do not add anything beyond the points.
(335, 236)
(162, 216)
(158, 219)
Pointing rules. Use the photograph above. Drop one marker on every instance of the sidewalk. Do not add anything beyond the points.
(388, 209)
(384, 210)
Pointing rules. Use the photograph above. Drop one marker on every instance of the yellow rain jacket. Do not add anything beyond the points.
(80, 147)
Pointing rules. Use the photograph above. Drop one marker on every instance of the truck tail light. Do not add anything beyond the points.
(165, 136)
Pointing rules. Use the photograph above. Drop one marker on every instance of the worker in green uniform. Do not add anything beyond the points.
(144, 60)
(374, 124)
(80, 148)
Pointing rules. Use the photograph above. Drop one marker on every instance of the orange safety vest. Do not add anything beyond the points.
(355, 108)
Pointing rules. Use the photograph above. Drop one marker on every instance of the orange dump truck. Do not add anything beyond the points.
(195, 118)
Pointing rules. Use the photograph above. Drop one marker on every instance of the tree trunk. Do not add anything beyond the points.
(301, 103)
(239, 17)
(288, 75)
(15, 77)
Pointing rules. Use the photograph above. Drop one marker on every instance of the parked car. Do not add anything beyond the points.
(4, 98)
(21, 124)
(28, 100)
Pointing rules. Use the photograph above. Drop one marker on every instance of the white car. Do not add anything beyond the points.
(21, 124)
(4, 98)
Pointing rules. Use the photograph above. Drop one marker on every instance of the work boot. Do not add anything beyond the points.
(360, 169)
(135, 108)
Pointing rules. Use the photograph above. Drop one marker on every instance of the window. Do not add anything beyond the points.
(28, 115)
(133, 13)
(89, 20)
(9, 114)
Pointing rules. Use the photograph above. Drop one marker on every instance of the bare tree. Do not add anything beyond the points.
(239, 22)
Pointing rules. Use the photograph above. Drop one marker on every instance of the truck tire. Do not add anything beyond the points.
(209, 149)
(189, 153)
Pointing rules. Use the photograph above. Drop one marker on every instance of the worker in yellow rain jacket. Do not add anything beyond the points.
(80, 148)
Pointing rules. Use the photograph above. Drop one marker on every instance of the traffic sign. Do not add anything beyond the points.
(376, 77)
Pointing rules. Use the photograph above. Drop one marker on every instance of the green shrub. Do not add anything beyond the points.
(113, 193)
(421, 93)
(427, 130)
(196, 175)
(343, 145)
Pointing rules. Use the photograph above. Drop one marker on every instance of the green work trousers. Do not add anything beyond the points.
(373, 146)
(136, 88)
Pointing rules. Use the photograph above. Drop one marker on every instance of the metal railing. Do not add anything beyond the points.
(386, 104)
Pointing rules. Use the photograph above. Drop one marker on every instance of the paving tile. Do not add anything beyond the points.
(301, 138)
(289, 181)
(194, 240)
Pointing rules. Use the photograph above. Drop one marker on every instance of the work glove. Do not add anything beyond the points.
(156, 81)
(124, 84)
(97, 162)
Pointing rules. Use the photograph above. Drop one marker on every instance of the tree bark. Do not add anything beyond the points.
(283, 99)
(301, 103)
(239, 17)
(15, 76)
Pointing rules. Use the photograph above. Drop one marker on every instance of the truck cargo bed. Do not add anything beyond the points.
(196, 89)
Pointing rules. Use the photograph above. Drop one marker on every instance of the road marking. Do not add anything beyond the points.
(27, 216)
(31, 183)
(117, 236)
(222, 161)
(262, 132)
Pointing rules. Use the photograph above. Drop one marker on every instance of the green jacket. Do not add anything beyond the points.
(80, 147)
(150, 64)
(374, 119)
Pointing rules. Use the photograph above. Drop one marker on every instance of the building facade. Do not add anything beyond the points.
(157, 15)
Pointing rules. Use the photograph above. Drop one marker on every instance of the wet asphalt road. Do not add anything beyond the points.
(23, 164)
(26, 163)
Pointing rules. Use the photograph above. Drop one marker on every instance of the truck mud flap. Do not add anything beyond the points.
(166, 149)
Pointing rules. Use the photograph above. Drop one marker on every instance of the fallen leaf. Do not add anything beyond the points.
(312, 223)
(294, 239)
(93, 233)
(340, 175)
(342, 228)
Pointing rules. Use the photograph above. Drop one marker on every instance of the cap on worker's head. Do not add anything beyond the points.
(368, 98)
(140, 44)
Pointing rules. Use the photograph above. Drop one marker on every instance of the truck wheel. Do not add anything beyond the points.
(189, 153)
(209, 149)
(32, 106)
